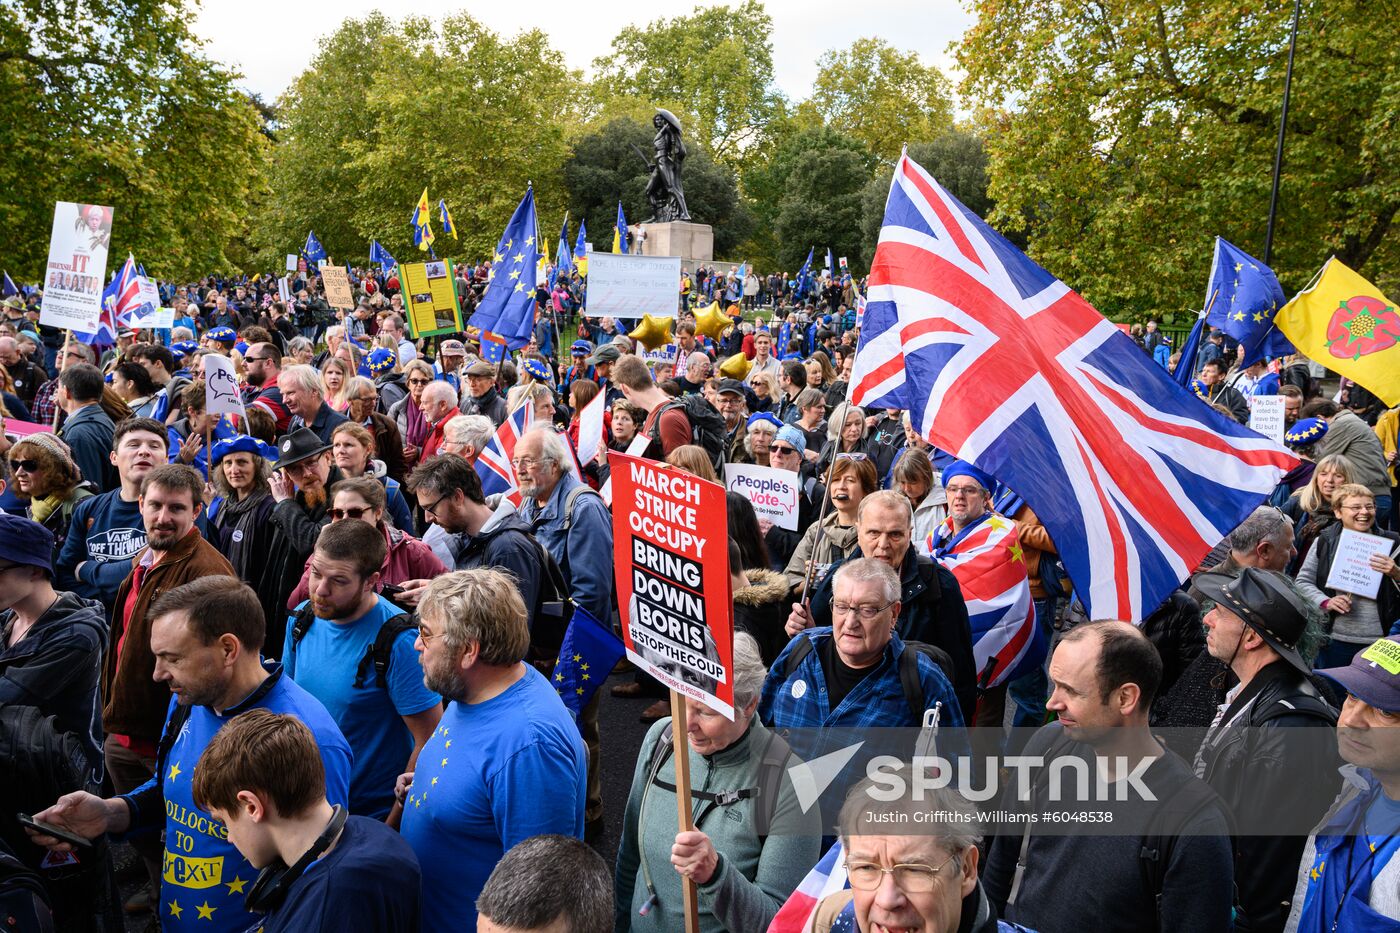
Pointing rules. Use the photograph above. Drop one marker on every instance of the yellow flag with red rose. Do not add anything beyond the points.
(1344, 322)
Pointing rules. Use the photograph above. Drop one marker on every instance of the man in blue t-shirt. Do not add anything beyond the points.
(505, 763)
(386, 719)
(205, 636)
(262, 778)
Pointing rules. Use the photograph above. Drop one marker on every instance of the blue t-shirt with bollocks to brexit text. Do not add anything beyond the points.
(370, 717)
(492, 774)
(204, 879)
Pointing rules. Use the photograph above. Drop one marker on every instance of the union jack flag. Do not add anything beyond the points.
(827, 877)
(1002, 365)
(987, 560)
(493, 465)
(127, 306)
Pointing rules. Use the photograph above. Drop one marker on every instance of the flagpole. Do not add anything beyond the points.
(1282, 129)
(62, 365)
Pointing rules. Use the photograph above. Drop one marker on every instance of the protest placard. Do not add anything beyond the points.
(590, 427)
(626, 286)
(338, 291)
(1351, 565)
(1266, 416)
(162, 319)
(430, 297)
(291, 262)
(221, 395)
(774, 494)
(671, 553)
(76, 271)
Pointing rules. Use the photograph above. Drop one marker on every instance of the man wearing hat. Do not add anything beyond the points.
(305, 473)
(482, 396)
(1259, 754)
(1349, 876)
(732, 402)
(602, 361)
(27, 376)
(450, 356)
(580, 369)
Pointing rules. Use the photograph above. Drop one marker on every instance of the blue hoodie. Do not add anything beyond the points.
(107, 532)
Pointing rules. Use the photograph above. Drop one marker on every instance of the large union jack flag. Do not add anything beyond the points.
(1002, 365)
(493, 464)
(987, 560)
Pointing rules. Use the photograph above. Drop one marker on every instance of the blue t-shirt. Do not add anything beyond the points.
(324, 663)
(368, 883)
(204, 878)
(492, 774)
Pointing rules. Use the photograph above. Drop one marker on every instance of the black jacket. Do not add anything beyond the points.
(508, 546)
(1175, 631)
(295, 530)
(761, 609)
(1278, 757)
(931, 611)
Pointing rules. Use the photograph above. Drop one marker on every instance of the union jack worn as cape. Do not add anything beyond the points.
(827, 877)
(493, 465)
(1002, 365)
(986, 558)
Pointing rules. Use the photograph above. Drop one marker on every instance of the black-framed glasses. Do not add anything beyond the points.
(775, 449)
(337, 514)
(432, 509)
(28, 466)
(911, 878)
(419, 382)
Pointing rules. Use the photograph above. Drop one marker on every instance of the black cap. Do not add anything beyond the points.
(729, 385)
(1267, 602)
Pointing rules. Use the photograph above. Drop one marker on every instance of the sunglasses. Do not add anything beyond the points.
(856, 457)
(775, 449)
(337, 514)
(26, 466)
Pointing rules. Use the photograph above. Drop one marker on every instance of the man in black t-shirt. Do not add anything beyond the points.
(261, 776)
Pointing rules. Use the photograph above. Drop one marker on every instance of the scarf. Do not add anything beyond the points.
(417, 426)
(41, 509)
(239, 520)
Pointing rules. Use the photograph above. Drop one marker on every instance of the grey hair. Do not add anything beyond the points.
(547, 878)
(1264, 523)
(868, 811)
(890, 499)
(474, 431)
(697, 357)
(749, 672)
(837, 420)
(357, 384)
(85, 350)
(864, 569)
(807, 398)
(440, 390)
(305, 378)
(481, 607)
(552, 446)
(297, 344)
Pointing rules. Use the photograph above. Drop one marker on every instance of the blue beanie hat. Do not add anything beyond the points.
(963, 468)
(1305, 432)
(764, 416)
(381, 360)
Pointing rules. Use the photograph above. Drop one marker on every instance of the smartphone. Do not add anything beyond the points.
(26, 820)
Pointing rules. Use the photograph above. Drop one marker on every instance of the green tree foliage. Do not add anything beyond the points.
(821, 207)
(957, 158)
(715, 66)
(112, 102)
(387, 108)
(885, 98)
(604, 168)
(1135, 132)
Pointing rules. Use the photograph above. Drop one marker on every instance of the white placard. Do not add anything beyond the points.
(590, 428)
(284, 291)
(1351, 567)
(1266, 416)
(162, 319)
(291, 262)
(774, 493)
(76, 272)
(221, 395)
(626, 286)
(148, 306)
(639, 445)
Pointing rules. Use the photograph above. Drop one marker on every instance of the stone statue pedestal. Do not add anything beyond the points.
(694, 243)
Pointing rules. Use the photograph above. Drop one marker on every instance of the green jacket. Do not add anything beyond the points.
(754, 875)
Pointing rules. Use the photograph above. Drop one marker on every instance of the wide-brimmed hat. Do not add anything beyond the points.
(301, 444)
(1266, 601)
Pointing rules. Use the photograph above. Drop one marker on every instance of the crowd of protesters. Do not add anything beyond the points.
(299, 662)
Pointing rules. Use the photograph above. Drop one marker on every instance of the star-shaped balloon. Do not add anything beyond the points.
(712, 322)
(653, 332)
(736, 367)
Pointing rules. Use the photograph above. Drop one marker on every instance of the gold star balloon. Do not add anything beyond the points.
(653, 332)
(736, 367)
(712, 322)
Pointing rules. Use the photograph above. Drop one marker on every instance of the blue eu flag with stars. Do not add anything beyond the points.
(313, 250)
(1246, 296)
(508, 307)
(586, 657)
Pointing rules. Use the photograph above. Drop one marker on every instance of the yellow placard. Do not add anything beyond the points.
(430, 297)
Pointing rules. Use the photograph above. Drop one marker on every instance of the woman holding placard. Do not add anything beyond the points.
(1354, 543)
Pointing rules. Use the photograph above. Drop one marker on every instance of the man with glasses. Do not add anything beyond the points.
(299, 486)
(852, 673)
(385, 716)
(263, 365)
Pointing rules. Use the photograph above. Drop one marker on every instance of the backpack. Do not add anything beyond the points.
(772, 764)
(707, 428)
(378, 654)
(909, 680)
(24, 902)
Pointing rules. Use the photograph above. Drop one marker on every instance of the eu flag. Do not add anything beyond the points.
(803, 274)
(313, 251)
(1244, 294)
(620, 231)
(446, 216)
(565, 265)
(508, 307)
(581, 248)
(8, 289)
(1186, 363)
(381, 255)
(586, 657)
(492, 351)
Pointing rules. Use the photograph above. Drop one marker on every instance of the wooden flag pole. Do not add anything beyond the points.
(681, 745)
(62, 365)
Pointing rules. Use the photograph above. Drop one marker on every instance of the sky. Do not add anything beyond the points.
(272, 41)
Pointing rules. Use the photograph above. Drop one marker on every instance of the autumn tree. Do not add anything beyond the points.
(1134, 133)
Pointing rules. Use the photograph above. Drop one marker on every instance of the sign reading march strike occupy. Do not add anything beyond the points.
(77, 268)
(671, 537)
(620, 285)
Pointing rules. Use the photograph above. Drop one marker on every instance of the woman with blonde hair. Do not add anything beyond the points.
(692, 458)
(353, 450)
(1310, 508)
(335, 373)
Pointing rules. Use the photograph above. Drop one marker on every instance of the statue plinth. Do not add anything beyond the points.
(694, 243)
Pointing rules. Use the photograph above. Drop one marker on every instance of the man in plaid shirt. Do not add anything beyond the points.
(848, 674)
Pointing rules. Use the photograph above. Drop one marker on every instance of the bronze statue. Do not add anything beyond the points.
(664, 187)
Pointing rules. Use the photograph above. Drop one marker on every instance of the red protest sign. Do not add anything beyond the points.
(671, 550)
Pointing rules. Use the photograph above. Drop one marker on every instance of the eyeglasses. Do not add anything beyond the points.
(1369, 507)
(337, 514)
(432, 509)
(419, 382)
(427, 636)
(26, 466)
(775, 449)
(257, 359)
(866, 613)
(963, 490)
(911, 879)
(365, 398)
(526, 463)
